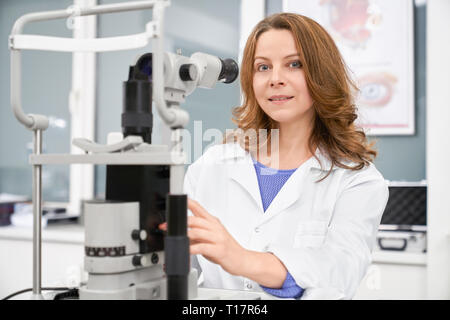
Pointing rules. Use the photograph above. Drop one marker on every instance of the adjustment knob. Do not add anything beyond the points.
(188, 72)
(139, 261)
(139, 235)
(155, 258)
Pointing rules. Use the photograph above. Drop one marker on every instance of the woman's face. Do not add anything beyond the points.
(278, 80)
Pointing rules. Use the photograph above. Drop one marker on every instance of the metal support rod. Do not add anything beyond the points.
(177, 168)
(36, 121)
(37, 217)
(176, 247)
(176, 140)
(82, 11)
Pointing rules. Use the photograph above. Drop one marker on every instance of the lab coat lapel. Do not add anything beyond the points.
(294, 188)
(289, 193)
(243, 172)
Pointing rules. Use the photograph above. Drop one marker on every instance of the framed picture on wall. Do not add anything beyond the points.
(375, 38)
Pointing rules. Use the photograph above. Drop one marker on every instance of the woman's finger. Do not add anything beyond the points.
(192, 242)
(201, 236)
(163, 226)
(198, 211)
(197, 222)
(205, 249)
(192, 222)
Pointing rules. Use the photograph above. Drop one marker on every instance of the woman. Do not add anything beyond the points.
(299, 220)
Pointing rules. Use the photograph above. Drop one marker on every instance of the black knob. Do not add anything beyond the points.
(139, 261)
(139, 234)
(187, 72)
(135, 234)
(155, 258)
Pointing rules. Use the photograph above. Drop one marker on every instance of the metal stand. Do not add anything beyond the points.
(37, 219)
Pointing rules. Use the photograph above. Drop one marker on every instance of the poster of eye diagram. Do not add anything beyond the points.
(375, 38)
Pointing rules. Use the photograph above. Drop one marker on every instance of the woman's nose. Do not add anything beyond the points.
(276, 83)
(276, 78)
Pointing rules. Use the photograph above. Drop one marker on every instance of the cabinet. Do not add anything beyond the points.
(392, 275)
(395, 275)
(62, 258)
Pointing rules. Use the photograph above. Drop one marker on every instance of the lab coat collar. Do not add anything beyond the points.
(236, 152)
(322, 162)
(243, 172)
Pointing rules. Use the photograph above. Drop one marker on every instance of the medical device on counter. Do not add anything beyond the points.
(125, 252)
(403, 225)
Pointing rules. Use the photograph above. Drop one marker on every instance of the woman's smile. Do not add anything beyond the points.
(280, 99)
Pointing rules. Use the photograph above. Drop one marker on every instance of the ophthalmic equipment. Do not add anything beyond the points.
(123, 242)
(126, 255)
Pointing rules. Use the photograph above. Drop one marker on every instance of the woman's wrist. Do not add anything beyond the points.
(262, 267)
(246, 265)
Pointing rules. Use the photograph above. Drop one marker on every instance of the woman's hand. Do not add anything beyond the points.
(209, 238)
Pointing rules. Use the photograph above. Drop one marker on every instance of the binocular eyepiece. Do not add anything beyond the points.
(143, 70)
(201, 70)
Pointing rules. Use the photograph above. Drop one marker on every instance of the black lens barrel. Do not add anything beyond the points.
(176, 247)
(229, 72)
(137, 118)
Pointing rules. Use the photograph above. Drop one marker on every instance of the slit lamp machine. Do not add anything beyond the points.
(126, 255)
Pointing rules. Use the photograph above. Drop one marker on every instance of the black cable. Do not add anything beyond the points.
(71, 294)
(30, 289)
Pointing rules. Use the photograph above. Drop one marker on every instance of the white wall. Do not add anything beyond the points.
(438, 148)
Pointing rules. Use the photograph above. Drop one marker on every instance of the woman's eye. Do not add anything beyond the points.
(295, 64)
(262, 67)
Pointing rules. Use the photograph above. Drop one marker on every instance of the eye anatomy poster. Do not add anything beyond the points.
(375, 38)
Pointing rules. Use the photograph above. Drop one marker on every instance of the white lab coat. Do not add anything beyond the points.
(322, 232)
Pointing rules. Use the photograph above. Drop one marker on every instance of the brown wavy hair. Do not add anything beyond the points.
(330, 86)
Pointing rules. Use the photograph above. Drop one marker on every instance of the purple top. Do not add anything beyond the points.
(270, 182)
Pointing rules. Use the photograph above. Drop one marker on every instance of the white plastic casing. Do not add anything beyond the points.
(110, 224)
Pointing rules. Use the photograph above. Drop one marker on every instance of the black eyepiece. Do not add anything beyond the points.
(229, 72)
(143, 68)
(137, 118)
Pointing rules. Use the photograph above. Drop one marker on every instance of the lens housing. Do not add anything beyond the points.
(229, 72)
(137, 118)
(143, 68)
